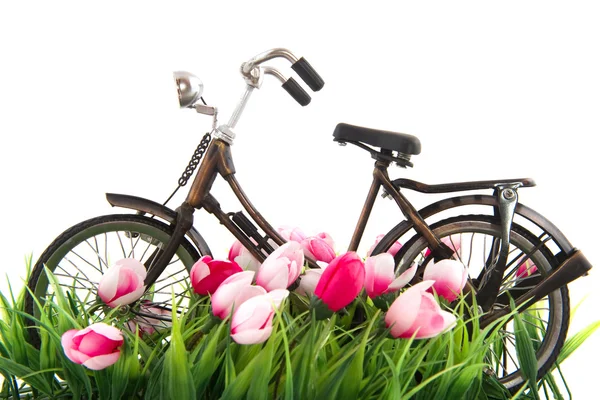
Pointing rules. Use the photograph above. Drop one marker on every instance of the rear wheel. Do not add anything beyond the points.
(476, 241)
(81, 255)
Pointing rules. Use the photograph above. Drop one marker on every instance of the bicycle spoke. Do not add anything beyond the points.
(121, 243)
(100, 260)
(82, 259)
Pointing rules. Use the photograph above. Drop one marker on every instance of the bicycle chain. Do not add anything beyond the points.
(195, 161)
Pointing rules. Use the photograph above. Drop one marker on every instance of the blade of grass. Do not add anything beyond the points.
(525, 353)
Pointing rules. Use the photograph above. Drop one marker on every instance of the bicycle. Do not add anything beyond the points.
(492, 244)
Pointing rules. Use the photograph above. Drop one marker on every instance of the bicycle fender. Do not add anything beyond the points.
(153, 208)
(477, 199)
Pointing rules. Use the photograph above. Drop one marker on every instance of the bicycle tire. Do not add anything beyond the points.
(558, 313)
(102, 237)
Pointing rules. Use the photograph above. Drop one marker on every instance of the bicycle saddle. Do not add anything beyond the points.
(400, 142)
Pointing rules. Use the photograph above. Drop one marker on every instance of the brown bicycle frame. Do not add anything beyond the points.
(218, 161)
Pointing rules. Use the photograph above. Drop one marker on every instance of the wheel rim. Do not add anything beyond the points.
(80, 261)
(479, 239)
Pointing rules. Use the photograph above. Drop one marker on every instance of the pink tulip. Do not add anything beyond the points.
(281, 268)
(309, 280)
(526, 269)
(291, 234)
(326, 237)
(379, 275)
(318, 248)
(396, 246)
(234, 291)
(341, 281)
(416, 313)
(122, 283)
(252, 321)
(150, 318)
(452, 241)
(449, 276)
(207, 274)
(96, 347)
(242, 257)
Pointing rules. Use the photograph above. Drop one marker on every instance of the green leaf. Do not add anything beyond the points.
(26, 374)
(177, 381)
(259, 385)
(462, 381)
(525, 353)
(351, 382)
(577, 340)
(206, 360)
(239, 387)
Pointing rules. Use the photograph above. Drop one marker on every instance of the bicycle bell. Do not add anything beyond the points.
(189, 88)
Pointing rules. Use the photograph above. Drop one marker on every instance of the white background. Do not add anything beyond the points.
(493, 90)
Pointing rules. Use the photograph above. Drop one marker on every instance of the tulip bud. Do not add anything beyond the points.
(291, 234)
(449, 276)
(416, 313)
(207, 274)
(96, 347)
(396, 246)
(452, 241)
(252, 322)
(379, 275)
(149, 318)
(281, 268)
(318, 248)
(341, 281)
(526, 269)
(308, 281)
(122, 283)
(242, 257)
(232, 292)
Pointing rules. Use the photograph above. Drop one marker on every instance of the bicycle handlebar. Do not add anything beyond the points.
(302, 67)
(308, 74)
(290, 85)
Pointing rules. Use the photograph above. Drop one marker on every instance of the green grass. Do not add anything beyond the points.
(304, 358)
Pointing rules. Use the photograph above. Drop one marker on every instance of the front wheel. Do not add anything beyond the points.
(80, 256)
(476, 242)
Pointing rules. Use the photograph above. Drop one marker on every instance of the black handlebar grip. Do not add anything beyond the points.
(308, 74)
(296, 91)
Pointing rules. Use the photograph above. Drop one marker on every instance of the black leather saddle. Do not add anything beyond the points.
(401, 142)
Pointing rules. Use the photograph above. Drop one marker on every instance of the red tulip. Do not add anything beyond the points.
(318, 248)
(396, 246)
(281, 268)
(341, 281)
(207, 274)
(416, 313)
(449, 276)
(379, 275)
(242, 257)
(252, 321)
(122, 283)
(96, 347)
